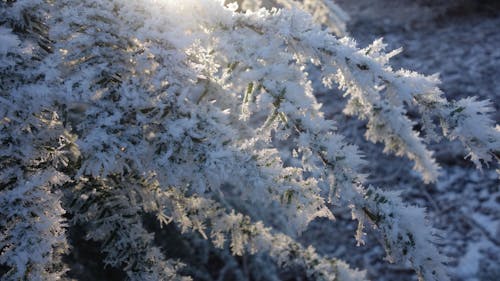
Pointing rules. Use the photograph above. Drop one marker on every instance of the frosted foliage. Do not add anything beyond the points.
(204, 117)
(324, 12)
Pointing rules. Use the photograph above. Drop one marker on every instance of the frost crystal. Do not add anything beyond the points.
(204, 117)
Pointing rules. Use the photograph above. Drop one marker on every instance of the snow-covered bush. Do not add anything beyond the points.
(205, 117)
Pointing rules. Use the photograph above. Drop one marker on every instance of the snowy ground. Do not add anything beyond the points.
(461, 41)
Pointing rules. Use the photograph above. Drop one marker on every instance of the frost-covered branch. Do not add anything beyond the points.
(327, 13)
(111, 211)
(206, 117)
(32, 226)
(35, 150)
(243, 235)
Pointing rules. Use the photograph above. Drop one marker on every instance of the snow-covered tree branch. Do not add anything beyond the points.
(205, 117)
